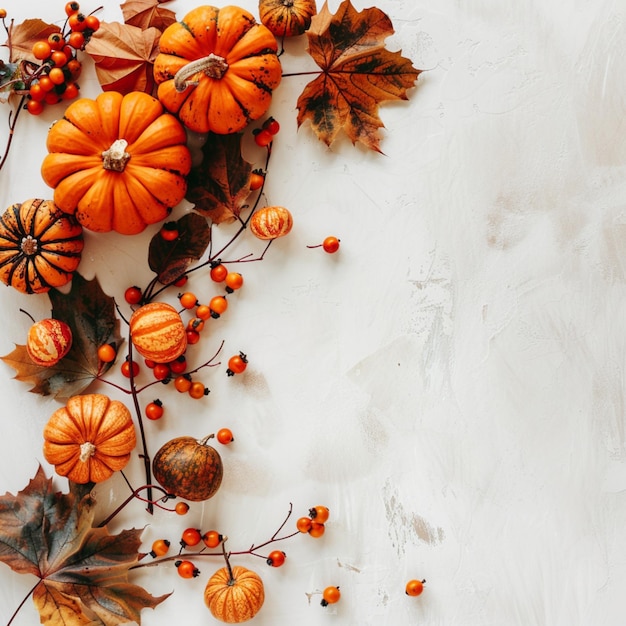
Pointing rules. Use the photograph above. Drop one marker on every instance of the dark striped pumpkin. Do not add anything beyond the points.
(40, 246)
(188, 468)
(287, 18)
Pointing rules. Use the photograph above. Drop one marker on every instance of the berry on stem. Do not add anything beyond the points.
(233, 281)
(224, 436)
(316, 530)
(133, 295)
(169, 231)
(212, 538)
(304, 524)
(414, 587)
(107, 353)
(263, 138)
(218, 305)
(276, 558)
(237, 364)
(186, 569)
(129, 368)
(188, 300)
(190, 537)
(159, 548)
(218, 272)
(181, 508)
(154, 410)
(330, 595)
(198, 390)
(319, 514)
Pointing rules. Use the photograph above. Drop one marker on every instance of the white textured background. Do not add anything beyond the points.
(451, 383)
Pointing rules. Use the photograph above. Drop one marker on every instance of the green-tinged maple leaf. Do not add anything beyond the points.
(358, 73)
(170, 259)
(91, 316)
(83, 570)
(220, 185)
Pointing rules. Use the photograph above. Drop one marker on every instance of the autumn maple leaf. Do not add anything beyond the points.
(82, 570)
(123, 56)
(219, 186)
(147, 13)
(358, 73)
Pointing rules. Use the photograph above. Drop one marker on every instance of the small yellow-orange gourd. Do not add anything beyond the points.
(216, 69)
(287, 18)
(48, 341)
(89, 438)
(40, 246)
(234, 594)
(271, 222)
(158, 332)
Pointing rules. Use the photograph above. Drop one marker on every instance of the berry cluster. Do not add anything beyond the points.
(314, 522)
(264, 136)
(55, 78)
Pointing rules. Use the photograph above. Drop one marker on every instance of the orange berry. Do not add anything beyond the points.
(107, 353)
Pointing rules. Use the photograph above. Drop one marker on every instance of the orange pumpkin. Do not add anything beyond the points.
(89, 438)
(216, 69)
(40, 246)
(287, 18)
(158, 332)
(118, 162)
(271, 222)
(48, 341)
(234, 594)
(188, 468)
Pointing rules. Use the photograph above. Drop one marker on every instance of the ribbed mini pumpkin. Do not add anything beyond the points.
(216, 69)
(40, 246)
(188, 468)
(118, 162)
(271, 222)
(158, 332)
(287, 18)
(89, 438)
(234, 594)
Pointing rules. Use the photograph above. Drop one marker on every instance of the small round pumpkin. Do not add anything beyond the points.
(287, 18)
(40, 246)
(188, 468)
(216, 69)
(118, 162)
(48, 341)
(234, 594)
(158, 332)
(89, 438)
(271, 222)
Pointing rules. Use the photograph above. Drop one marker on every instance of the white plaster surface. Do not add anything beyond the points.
(451, 383)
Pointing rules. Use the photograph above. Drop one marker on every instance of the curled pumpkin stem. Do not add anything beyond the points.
(213, 65)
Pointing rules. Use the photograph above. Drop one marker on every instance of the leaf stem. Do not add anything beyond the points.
(21, 604)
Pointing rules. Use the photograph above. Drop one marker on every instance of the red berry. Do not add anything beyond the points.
(263, 138)
(257, 178)
(237, 364)
(186, 569)
(272, 126)
(414, 587)
(276, 558)
(330, 595)
(133, 295)
(161, 371)
(304, 524)
(218, 272)
(319, 514)
(169, 232)
(179, 365)
(160, 548)
(181, 508)
(35, 107)
(212, 539)
(330, 245)
(317, 529)
(193, 336)
(126, 368)
(71, 8)
(190, 537)
(107, 353)
(154, 410)
(224, 436)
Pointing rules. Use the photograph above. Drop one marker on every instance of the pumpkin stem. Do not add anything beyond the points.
(116, 157)
(29, 245)
(231, 577)
(203, 442)
(87, 450)
(213, 66)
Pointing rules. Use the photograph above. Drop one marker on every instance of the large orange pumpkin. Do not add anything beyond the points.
(89, 438)
(118, 162)
(234, 594)
(216, 69)
(287, 18)
(40, 246)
